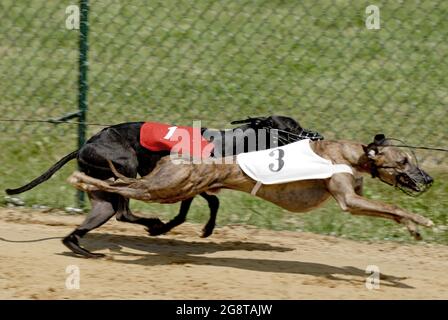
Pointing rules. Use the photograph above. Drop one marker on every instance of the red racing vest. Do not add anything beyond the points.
(156, 136)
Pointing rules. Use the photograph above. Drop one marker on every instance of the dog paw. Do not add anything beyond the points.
(430, 224)
(73, 179)
(207, 231)
(417, 236)
(157, 228)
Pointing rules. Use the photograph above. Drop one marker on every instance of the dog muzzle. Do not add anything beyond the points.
(414, 184)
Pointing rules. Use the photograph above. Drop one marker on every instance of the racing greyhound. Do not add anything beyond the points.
(121, 144)
(170, 182)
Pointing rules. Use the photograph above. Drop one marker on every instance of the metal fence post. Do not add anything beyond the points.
(82, 84)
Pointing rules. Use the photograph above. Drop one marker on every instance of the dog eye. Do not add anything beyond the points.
(404, 161)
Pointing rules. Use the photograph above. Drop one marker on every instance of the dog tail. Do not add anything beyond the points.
(44, 177)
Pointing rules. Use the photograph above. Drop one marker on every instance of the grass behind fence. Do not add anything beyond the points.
(178, 61)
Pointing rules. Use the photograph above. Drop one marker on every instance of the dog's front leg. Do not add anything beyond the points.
(342, 187)
(359, 186)
(361, 206)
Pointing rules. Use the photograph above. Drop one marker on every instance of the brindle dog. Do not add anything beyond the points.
(171, 182)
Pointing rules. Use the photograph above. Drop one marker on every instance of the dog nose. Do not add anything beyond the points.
(313, 135)
(429, 179)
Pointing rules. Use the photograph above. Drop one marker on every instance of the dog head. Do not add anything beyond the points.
(396, 167)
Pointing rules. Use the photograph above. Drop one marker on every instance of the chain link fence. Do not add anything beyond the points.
(177, 61)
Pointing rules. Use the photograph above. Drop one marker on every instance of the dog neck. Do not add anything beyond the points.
(344, 152)
(354, 153)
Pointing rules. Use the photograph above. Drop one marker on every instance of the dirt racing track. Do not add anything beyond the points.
(236, 262)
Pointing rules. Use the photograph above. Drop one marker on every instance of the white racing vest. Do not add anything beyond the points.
(292, 162)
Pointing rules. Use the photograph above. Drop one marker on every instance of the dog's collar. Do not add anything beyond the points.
(371, 167)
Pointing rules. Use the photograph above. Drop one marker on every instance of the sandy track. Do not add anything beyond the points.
(237, 262)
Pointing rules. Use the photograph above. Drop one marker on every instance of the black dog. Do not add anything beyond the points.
(121, 145)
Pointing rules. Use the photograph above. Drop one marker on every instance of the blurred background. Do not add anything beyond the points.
(176, 61)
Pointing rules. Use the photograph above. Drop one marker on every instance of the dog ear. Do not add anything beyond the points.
(371, 150)
(258, 121)
(284, 123)
(252, 121)
(379, 139)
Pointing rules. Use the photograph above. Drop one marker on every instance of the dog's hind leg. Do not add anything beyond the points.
(158, 229)
(124, 214)
(102, 210)
(213, 204)
(104, 206)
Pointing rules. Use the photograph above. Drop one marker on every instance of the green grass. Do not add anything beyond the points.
(178, 61)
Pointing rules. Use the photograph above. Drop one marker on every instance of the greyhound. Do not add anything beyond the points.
(171, 182)
(121, 145)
